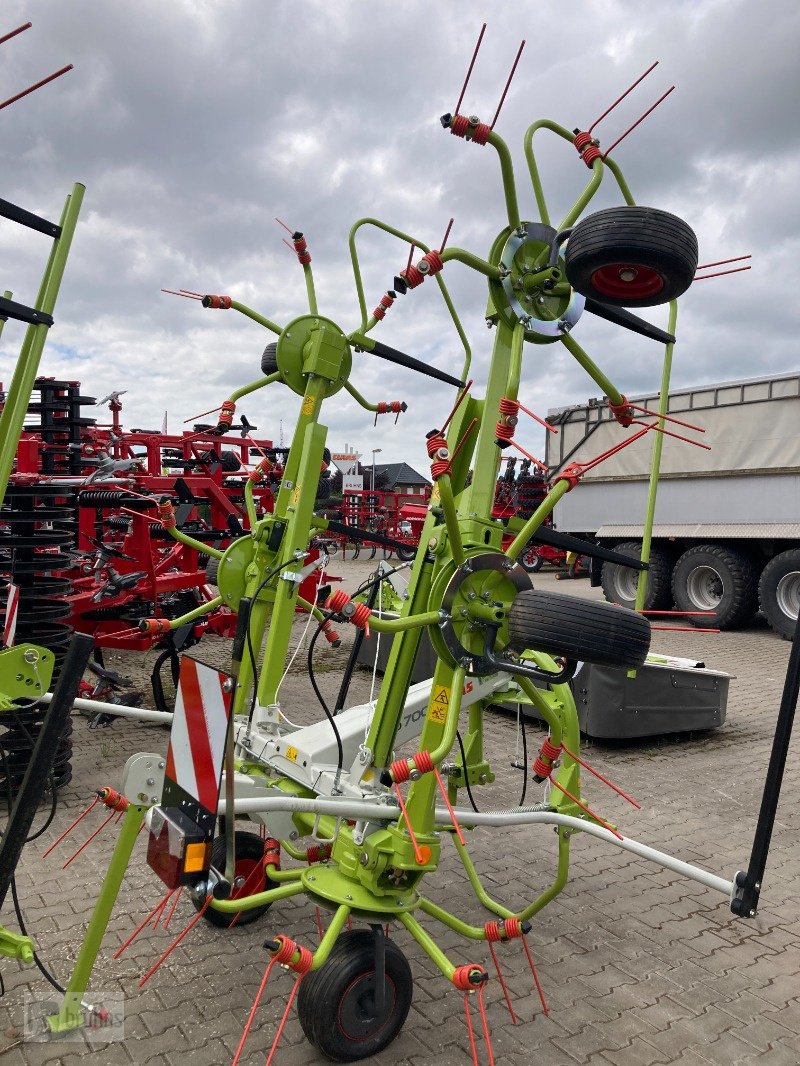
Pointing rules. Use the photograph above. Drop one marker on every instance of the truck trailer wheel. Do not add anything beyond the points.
(718, 580)
(580, 629)
(631, 256)
(619, 583)
(779, 592)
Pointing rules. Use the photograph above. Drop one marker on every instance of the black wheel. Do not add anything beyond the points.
(619, 583)
(407, 553)
(779, 592)
(212, 570)
(631, 256)
(530, 560)
(579, 629)
(230, 461)
(249, 850)
(269, 360)
(336, 1004)
(717, 579)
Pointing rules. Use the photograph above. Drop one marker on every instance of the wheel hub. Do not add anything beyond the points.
(357, 1018)
(705, 588)
(534, 293)
(627, 281)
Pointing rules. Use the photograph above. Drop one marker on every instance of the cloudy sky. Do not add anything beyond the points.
(195, 123)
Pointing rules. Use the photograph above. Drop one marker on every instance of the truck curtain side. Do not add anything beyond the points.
(726, 532)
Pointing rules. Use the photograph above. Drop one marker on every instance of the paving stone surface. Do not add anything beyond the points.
(638, 965)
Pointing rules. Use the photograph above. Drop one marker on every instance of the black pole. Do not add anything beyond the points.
(748, 885)
(42, 757)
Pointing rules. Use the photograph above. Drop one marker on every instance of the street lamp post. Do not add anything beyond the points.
(374, 453)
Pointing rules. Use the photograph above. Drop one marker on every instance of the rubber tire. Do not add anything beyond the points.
(322, 994)
(323, 489)
(406, 554)
(639, 236)
(619, 582)
(249, 848)
(212, 570)
(738, 601)
(530, 560)
(591, 632)
(783, 566)
(230, 461)
(269, 359)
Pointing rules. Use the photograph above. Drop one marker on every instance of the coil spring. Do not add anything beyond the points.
(110, 498)
(22, 728)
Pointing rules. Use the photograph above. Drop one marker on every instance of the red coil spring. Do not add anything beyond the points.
(272, 852)
(301, 248)
(361, 616)
(461, 976)
(287, 950)
(507, 929)
(337, 600)
(434, 443)
(331, 635)
(401, 771)
(572, 474)
(260, 470)
(622, 411)
(504, 430)
(549, 750)
(385, 406)
(413, 276)
(227, 412)
(543, 763)
(217, 303)
(587, 151)
(460, 126)
(318, 852)
(386, 302)
(113, 799)
(166, 514)
(433, 261)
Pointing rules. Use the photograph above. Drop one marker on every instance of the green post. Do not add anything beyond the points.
(70, 1015)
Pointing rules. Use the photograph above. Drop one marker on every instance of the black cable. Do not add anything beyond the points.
(10, 792)
(321, 698)
(524, 758)
(21, 922)
(466, 775)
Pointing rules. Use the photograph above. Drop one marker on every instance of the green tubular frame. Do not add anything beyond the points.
(458, 528)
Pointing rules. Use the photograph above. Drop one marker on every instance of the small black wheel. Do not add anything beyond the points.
(620, 583)
(530, 560)
(631, 256)
(212, 570)
(249, 851)
(719, 580)
(579, 629)
(407, 553)
(269, 360)
(336, 1004)
(779, 592)
(323, 489)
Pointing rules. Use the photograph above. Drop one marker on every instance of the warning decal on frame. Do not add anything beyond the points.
(439, 705)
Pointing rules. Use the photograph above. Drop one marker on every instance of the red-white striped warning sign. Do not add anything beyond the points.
(197, 740)
(12, 606)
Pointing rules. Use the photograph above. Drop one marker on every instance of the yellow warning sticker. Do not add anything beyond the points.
(296, 496)
(308, 405)
(291, 754)
(435, 492)
(439, 705)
